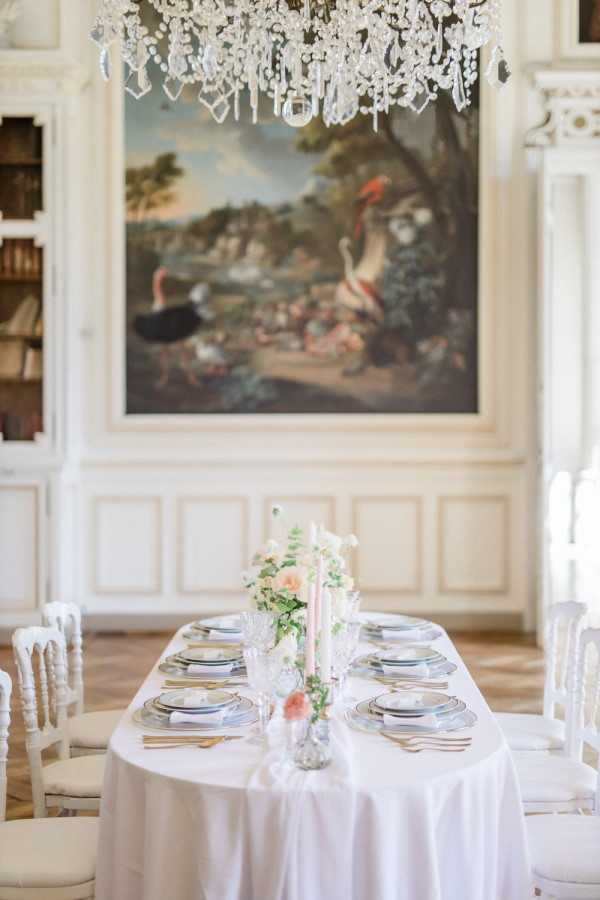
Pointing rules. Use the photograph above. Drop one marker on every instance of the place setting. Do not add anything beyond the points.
(204, 712)
(409, 664)
(416, 721)
(394, 627)
(205, 664)
(223, 629)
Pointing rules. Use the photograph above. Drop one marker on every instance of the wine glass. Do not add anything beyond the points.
(258, 629)
(344, 646)
(257, 668)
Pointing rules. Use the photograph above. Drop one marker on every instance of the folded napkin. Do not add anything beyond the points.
(404, 701)
(428, 722)
(410, 634)
(213, 718)
(401, 672)
(220, 669)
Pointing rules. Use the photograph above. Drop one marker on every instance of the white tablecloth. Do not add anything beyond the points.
(191, 824)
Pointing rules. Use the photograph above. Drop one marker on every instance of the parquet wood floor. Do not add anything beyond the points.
(508, 669)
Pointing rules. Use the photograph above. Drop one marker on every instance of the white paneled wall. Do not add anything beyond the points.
(423, 547)
(21, 563)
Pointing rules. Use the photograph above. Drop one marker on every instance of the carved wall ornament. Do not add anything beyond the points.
(572, 107)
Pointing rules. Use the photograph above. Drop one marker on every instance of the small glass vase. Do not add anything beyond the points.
(314, 750)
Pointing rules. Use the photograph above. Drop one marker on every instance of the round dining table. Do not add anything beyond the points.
(378, 824)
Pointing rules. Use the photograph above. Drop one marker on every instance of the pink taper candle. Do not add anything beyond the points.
(311, 631)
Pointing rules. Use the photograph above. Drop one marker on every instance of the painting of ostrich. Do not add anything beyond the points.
(313, 270)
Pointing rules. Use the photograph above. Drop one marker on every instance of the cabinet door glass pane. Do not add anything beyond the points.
(21, 168)
(21, 339)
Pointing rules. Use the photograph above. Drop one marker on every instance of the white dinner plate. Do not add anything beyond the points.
(245, 713)
(394, 621)
(413, 702)
(226, 624)
(172, 665)
(209, 656)
(456, 721)
(407, 656)
(371, 667)
(195, 699)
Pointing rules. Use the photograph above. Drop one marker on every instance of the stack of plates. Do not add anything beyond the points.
(224, 628)
(201, 705)
(205, 663)
(427, 711)
(391, 626)
(406, 663)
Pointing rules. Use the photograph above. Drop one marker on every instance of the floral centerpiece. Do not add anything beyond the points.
(282, 574)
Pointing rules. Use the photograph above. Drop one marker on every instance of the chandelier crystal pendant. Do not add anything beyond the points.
(333, 58)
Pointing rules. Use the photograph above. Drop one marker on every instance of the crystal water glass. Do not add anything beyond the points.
(284, 678)
(259, 629)
(353, 599)
(259, 679)
(344, 646)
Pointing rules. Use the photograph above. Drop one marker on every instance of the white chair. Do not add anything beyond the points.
(565, 784)
(42, 859)
(69, 784)
(565, 850)
(90, 732)
(548, 733)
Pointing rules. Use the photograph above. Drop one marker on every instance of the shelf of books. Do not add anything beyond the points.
(21, 280)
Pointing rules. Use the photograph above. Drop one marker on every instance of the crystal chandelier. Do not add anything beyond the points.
(330, 57)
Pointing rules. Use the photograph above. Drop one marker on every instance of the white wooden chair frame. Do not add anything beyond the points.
(559, 682)
(585, 731)
(68, 892)
(49, 645)
(66, 618)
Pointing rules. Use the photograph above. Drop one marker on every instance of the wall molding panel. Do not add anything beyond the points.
(127, 545)
(212, 543)
(20, 547)
(473, 544)
(389, 558)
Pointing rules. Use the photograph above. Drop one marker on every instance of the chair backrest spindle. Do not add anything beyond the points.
(561, 658)
(5, 695)
(48, 645)
(66, 617)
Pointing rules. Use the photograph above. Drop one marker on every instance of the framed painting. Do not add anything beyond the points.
(579, 26)
(300, 271)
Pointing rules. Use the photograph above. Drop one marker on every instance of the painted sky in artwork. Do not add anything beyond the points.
(236, 162)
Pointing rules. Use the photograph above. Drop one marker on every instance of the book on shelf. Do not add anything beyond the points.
(12, 358)
(25, 318)
(20, 258)
(33, 366)
(20, 427)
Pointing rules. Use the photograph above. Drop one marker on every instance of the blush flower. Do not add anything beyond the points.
(290, 578)
(296, 706)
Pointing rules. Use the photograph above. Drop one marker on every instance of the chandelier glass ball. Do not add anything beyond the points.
(333, 58)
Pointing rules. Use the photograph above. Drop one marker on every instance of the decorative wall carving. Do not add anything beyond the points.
(572, 107)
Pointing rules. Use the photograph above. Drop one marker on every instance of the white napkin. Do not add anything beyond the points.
(194, 698)
(410, 635)
(214, 718)
(233, 636)
(198, 669)
(401, 672)
(404, 700)
(414, 721)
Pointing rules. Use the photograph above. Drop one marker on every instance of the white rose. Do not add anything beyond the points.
(350, 540)
(331, 542)
(286, 650)
(340, 604)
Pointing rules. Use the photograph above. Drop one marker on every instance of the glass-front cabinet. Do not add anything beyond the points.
(25, 279)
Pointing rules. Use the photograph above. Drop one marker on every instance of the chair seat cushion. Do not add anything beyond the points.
(93, 730)
(48, 852)
(554, 779)
(565, 848)
(530, 732)
(78, 777)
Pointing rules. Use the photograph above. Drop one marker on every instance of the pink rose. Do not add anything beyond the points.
(290, 578)
(296, 706)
